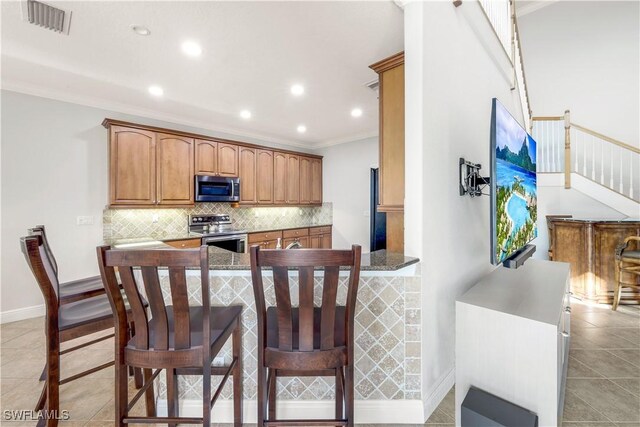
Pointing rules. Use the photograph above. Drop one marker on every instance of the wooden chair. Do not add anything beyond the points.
(627, 263)
(69, 291)
(305, 340)
(63, 323)
(181, 338)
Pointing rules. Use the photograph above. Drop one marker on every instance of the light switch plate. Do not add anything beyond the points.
(84, 220)
(218, 361)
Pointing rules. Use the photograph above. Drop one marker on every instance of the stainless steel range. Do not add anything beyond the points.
(217, 230)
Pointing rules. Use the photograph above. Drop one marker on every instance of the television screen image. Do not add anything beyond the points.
(514, 191)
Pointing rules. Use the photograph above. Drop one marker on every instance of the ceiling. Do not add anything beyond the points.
(524, 7)
(252, 53)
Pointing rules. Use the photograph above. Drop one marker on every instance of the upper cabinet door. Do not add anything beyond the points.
(132, 166)
(227, 160)
(175, 159)
(305, 180)
(247, 175)
(293, 179)
(264, 181)
(206, 157)
(392, 139)
(316, 181)
(279, 178)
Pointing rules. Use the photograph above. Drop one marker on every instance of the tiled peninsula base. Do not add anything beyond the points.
(387, 351)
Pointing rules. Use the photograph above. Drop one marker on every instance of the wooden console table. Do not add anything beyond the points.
(589, 246)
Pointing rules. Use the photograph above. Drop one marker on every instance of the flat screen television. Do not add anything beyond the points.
(514, 199)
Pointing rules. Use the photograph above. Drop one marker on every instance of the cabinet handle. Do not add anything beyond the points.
(565, 334)
(567, 310)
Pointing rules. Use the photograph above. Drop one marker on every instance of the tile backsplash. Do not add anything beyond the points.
(164, 223)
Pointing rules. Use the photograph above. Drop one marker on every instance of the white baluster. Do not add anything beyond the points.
(560, 136)
(611, 168)
(584, 157)
(601, 162)
(545, 148)
(621, 184)
(575, 144)
(593, 158)
(630, 175)
(552, 146)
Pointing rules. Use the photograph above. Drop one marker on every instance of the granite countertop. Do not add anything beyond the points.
(221, 259)
(166, 237)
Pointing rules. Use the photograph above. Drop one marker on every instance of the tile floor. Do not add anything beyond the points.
(603, 388)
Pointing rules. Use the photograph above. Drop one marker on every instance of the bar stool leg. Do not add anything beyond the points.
(618, 278)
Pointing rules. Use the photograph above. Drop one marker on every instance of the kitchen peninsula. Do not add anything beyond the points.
(387, 338)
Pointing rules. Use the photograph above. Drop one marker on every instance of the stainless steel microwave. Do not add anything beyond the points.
(217, 189)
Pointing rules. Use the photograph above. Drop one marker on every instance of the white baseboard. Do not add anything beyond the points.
(435, 398)
(367, 411)
(22, 314)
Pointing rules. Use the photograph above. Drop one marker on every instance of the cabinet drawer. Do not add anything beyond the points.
(262, 237)
(184, 244)
(320, 230)
(297, 232)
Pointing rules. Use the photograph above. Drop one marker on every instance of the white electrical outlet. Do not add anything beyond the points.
(84, 220)
(155, 218)
(218, 361)
(367, 213)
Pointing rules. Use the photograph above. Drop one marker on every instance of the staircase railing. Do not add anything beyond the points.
(501, 15)
(567, 147)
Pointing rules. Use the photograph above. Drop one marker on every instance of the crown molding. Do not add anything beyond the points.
(104, 104)
(101, 103)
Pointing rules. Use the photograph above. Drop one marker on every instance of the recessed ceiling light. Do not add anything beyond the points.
(191, 48)
(297, 90)
(140, 30)
(156, 90)
(245, 114)
(302, 129)
(356, 112)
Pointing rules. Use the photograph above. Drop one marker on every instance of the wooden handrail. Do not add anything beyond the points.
(606, 138)
(547, 119)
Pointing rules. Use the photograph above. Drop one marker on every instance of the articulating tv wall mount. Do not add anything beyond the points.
(471, 183)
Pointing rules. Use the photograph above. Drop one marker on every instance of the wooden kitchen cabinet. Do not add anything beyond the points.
(305, 180)
(279, 178)
(304, 241)
(264, 180)
(391, 147)
(184, 243)
(175, 180)
(151, 166)
(132, 166)
(216, 158)
(293, 179)
(316, 181)
(320, 237)
(248, 193)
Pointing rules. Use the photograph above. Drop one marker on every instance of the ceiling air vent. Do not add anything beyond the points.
(46, 16)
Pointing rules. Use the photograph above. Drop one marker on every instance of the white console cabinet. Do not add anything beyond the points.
(512, 338)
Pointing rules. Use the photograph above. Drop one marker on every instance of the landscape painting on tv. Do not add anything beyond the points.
(515, 185)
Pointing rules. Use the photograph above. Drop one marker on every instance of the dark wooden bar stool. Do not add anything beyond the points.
(305, 340)
(181, 338)
(75, 290)
(63, 323)
(627, 268)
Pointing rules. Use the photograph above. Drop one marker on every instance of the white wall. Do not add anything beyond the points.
(346, 183)
(585, 56)
(454, 67)
(54, 168)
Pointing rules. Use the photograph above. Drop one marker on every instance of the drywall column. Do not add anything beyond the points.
(454, 66)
